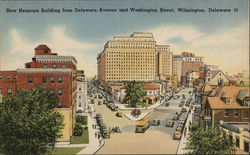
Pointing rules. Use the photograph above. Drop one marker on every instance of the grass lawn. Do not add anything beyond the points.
(64, 150)
(84, 139)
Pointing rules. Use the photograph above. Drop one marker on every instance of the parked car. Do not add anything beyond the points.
(180, 105)
(177, 135)
(98, 116)
(178, 113)
(183, 110)
(175, 117)
(167, 104)
(119, 114)
(170, 123)
(155, 122)
(176, 96)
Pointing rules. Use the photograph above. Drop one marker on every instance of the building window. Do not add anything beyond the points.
(44, 79)
(1, 77)
(52, 91)
(228, 101)
(236, 113)
(8, 77)
(9, 90)
(54, 66)
(30, 79)
(45, 66)
(0, 91)
(247, 103)
(225, 113)
(237, 141)
(60, 92)
(80, 104)
(15, 77)
(245, 115)
(52, 79)
(208, 79)
(246, 146)
(60, 79)
(60, 105)
(63, 66)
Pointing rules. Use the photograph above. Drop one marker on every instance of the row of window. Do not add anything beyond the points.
(8, 77)
(121, 53)
(59, 92)
(9, 91)
(54, 66)
(52, 91)
(237, 113)
(45, 79)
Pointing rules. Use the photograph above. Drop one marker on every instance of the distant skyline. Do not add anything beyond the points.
(222, 38)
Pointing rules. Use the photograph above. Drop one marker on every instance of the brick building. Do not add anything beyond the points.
(190, 62)
(228, 104)
(57, 73)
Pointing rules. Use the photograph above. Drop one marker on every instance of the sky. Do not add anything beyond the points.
(221, 37)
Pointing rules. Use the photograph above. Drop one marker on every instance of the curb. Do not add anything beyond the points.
(99, 147)
(138, 120)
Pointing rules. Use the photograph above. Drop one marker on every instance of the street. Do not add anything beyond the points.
(156, 140)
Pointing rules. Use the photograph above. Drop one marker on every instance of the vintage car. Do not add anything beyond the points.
(170, 123)
(183, 110)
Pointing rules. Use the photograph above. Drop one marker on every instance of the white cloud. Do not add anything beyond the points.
(57, 40)
(227, 47)
(164, 33)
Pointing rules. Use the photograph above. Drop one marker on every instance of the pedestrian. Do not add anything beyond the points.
(99, 135)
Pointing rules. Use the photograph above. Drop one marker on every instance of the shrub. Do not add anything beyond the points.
(81, 119)
(136, 112)
(78, 130)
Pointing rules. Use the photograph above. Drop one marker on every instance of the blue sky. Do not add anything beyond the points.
(222, 38)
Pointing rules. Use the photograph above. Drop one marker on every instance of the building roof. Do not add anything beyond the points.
(46, 58)
(206, 88)
(226, 91)
(242, 94)
(214, 73)
(41, 70)
(42, 47)
(177, 56)
(146, 87)
(150, 86)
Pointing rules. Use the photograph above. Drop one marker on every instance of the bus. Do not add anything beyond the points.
(142, 125)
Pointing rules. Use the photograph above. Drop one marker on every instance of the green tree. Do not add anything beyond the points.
(135, 93)
(209, 141)
(28, 122)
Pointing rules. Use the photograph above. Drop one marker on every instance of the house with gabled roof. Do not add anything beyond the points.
(216, 77)
(229, 104)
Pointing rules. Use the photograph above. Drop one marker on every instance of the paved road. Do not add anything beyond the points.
(156, 140)
(164, 113)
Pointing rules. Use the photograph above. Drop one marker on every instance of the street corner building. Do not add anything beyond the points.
(57, 73)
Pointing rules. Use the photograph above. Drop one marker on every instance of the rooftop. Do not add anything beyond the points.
(41, 70)
(226, 91)
(42, 47)
(54, 58)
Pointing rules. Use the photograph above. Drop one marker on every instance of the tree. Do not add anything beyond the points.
(28, 122)
(135, 93)
(209, 141)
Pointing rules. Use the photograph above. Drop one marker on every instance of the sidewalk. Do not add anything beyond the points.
(93, 145)
(156, 105)
(181, 149)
